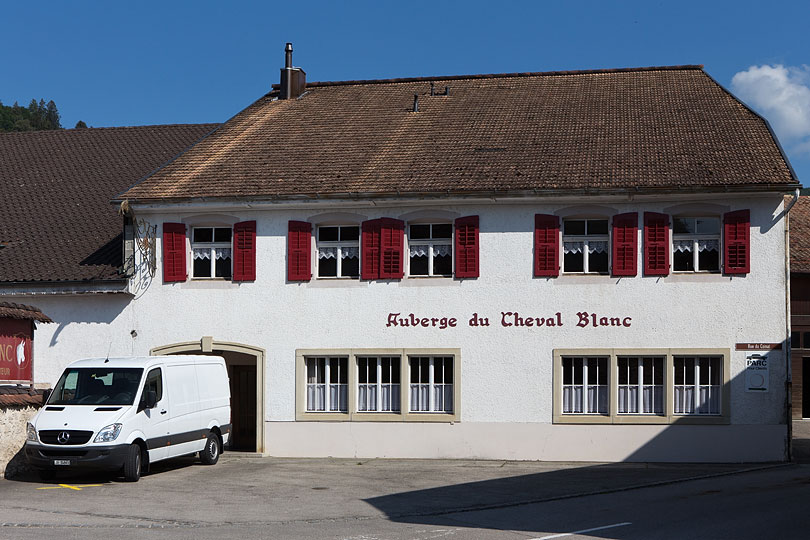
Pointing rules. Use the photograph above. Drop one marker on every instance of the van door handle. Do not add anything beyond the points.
(163, 411)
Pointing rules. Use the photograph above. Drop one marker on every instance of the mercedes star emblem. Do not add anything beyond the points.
(63, 437)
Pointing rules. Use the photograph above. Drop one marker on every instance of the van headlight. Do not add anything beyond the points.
(108, 433)
(31, 433)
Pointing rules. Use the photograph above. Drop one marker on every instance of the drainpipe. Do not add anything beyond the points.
(788, 352)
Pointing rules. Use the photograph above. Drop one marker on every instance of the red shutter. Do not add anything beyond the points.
(656, 244)
(625, 244)
(299, 250)
(370, 250)
(244, 251)
(392, 233)
(467, 247)
(174, 252)
(546, 245)
(736, 242)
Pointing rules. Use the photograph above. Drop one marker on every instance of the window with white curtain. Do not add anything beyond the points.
(211, 252)
(338, 251)
(430, 248)
(378, 384)
(585, 385)
(696, 244)
(431, 384)
(586, 246)
(698, 384)
(327, 383)
(641, 384)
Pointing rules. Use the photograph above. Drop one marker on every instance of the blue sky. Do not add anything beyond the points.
(138, 63)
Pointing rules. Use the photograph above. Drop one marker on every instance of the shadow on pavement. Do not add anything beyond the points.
(101, 477)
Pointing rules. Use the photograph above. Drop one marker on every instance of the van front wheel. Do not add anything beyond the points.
(132, 465)
(210, 454)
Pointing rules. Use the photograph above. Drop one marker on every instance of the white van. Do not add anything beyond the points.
(121, 414)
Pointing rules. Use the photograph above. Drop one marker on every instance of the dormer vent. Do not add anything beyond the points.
(293, 79)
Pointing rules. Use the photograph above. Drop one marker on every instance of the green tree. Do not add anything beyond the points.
(80, 125)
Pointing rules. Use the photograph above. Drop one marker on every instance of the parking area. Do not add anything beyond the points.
(321, 498)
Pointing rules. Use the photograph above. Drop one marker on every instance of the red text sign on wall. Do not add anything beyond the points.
(15, 350)
(581, 319)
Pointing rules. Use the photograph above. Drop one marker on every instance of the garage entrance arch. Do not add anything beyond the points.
(246, 368)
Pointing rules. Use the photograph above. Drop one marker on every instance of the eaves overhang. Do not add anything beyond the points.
(372, 198)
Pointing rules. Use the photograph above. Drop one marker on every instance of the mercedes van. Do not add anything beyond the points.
(122, 414)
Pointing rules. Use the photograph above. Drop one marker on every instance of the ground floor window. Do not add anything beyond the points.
(641, 386)
(585, 389)
(378, 385)
(431, 384)
(327, 385)
(698, 384)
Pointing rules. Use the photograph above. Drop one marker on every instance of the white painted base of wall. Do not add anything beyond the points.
(12, 436)
(529, 441)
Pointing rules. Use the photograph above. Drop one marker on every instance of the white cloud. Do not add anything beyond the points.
(782, 95)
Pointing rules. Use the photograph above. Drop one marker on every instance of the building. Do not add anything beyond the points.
(61, 242)
(800, 307)
(562, 266)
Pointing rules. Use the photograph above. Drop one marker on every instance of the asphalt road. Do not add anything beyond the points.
(414, 500)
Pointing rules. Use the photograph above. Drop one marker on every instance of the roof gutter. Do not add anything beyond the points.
(459, 194)
(62, 288)
(788, 351)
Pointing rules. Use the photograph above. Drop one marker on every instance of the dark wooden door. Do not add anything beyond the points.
(243, 408)
(805, 387)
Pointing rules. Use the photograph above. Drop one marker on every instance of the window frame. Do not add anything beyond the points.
(353, 413)
(585, 240)
(613, 416)
(339, 245)
(212, 247)
(431, 242)
(695, 238)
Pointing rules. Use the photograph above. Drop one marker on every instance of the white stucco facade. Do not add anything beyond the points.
(506, 374)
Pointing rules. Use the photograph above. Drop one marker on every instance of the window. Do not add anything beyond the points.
(585, 246)
(641, 385)
(585, 389)
(698, 382)
(378, 386)
(431, 249)
(696, 244)
(154, 382)
(339, 251)
(211, 252)
(216, 252)
(327, 384)
(431, 384)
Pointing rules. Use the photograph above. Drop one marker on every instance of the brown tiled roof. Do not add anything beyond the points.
(56, 220)
(10, 310)
(800, 235)
(18, 396)
(652, 128)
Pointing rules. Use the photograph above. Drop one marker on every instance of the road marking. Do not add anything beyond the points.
(583, 531)
(68, 486)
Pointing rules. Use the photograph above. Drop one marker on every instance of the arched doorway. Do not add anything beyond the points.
(246, 368)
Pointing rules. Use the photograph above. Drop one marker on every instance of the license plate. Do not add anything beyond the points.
(61, 462)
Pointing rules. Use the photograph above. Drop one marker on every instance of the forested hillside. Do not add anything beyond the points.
(35, 117)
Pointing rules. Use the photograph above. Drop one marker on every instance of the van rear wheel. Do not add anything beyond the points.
(132, 464)
(210, 454)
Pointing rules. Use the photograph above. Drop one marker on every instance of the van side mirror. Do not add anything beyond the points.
(149, 400)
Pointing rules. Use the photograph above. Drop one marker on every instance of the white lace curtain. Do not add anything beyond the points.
(703, 245)
(345, 253)
(439, 250)
(205, 253)
(593, 247)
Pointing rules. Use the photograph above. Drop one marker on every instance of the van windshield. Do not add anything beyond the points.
(96, 386)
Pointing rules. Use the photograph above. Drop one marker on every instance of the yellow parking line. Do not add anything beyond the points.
(68, 486)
